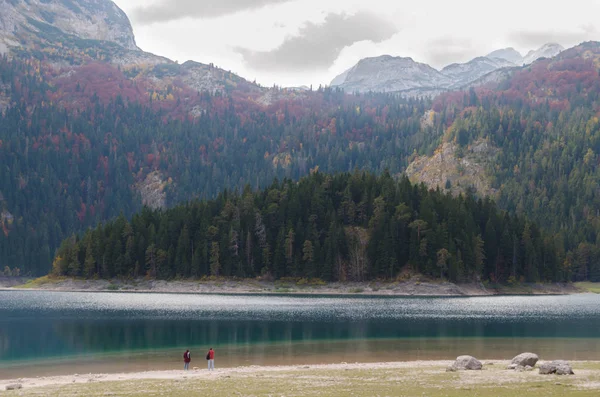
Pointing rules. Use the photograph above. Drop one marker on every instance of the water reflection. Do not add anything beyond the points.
(146, 328)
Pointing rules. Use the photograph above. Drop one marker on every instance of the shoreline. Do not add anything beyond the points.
(129, 383)
(412, 287)
(197, 372)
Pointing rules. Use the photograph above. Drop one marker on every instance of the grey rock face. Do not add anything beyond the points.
(21, 21)
(525, 359)
(558, 367)
(466, 363)
(391, 74)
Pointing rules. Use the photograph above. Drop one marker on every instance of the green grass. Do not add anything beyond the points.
(38, 282)
(431, 381)
(589, 287)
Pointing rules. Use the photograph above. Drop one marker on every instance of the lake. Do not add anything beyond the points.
(46, 333)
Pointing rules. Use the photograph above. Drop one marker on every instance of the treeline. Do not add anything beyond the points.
(335, 227)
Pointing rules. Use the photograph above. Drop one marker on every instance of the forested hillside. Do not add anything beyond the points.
(342, 227)
(545, 123)
(81, 147)
(79, 152)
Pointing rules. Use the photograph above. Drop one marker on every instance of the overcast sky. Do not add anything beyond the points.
(303, 42)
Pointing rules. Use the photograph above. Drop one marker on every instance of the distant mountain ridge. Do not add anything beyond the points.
(387, 73)
(404, 75)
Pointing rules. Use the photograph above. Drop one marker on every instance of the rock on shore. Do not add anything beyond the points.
(558, 367)
(524, 360)
(465, 363)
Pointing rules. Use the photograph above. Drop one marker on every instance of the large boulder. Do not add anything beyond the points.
(14, 386)
(466, 363)
(525, 359)
(558, 367)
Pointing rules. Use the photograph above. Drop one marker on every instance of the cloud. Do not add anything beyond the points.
(534, 39)
(318, 45)
(171, 10)
(445, 51)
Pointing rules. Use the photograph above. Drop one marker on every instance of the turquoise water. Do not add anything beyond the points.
(150, 330)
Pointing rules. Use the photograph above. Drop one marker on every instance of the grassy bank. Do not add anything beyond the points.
(416, 285)
(394, 379)
(589, 287)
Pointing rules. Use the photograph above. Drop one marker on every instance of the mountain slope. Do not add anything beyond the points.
(90, 129)
(69, 37)
(24, 22)
(86, 145)
(462, 74)
(545, 120)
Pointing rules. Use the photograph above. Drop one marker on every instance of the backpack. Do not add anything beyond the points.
(208, 356)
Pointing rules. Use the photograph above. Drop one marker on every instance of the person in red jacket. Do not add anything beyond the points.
(187, 357)
(210, 356)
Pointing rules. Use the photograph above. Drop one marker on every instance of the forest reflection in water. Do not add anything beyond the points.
(147, 331)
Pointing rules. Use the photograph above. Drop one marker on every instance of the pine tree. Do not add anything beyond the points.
(442, 261)
(308, 257)
(478, 256)
(215, 264)
(89, 266)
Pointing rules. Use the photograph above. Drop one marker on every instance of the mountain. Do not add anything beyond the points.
(546, 51)
(90, 129)
(462, 74)
(532, 143)
(69, 36)
(391, 74)
(508, 54)
(34, 23)
(405, 76)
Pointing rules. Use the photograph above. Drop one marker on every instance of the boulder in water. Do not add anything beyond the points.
(525, 359)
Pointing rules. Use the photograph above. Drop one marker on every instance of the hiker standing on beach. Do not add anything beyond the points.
(210, 356)
(187, 357)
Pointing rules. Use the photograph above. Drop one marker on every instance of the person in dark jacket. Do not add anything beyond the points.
(210, 356)
(187, 357)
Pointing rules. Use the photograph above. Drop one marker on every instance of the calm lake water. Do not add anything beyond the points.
(51, 332)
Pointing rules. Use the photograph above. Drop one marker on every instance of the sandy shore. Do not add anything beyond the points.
(412, 287)
(203, 373)
(413, 378)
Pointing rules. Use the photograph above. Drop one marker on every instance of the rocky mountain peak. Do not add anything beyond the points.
(549, 50)
(29, 22)
(390, 74)
(508, 54)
